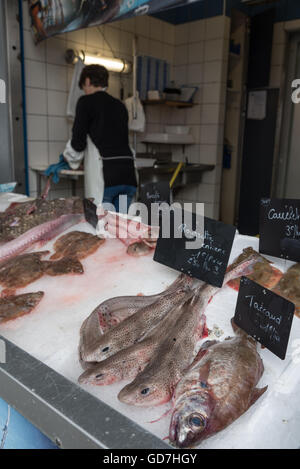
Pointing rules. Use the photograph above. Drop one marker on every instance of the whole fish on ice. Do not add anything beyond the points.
(113, 311)
(77, 244)
(28, 215)
(27, 268)
(128, 362)
(263, 272)
(15, 306)
(216, 390)
(289, 286)
(26, 232)
(156, 383)
(130, 330)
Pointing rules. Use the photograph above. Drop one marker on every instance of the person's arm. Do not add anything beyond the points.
(74, 151)
(80, 126)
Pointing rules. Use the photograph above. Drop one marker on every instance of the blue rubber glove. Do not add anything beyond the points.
(54, 169)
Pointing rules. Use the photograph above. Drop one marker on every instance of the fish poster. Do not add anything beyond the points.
(52, 17)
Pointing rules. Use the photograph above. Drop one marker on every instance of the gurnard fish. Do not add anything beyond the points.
(144, 314)
(263, 272)
(156, 383)
(113, 311)
(289, 286)
(128, 362)
(217, 389)
(76, 244)
(15, 306)
(41, 233)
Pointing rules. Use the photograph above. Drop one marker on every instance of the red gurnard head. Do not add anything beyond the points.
(190, 420)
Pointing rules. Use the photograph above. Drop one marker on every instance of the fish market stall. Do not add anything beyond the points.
(40, 376)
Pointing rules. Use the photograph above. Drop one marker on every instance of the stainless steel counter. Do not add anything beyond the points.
(68, 415)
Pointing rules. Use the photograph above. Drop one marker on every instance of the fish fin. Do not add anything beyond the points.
(8, 292)
(256, 393)
(237, 330)
(162, 416)
(203, 350)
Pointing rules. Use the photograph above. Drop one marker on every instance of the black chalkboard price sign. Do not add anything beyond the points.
(265, 316)
(207, 263)
(279, 231)
(90, 212)
(155, 193)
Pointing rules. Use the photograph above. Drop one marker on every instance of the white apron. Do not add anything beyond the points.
(93, 169)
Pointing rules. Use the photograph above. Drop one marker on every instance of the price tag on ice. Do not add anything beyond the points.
(207, 263)
(264, 315)
(90, 212)
(279, 231)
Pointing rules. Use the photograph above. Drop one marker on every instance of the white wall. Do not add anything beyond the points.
(198, 52)
(201, 58)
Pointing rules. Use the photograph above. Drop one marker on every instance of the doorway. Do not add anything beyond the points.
(288, 171)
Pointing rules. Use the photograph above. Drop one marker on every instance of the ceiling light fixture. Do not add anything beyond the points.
(112, 64)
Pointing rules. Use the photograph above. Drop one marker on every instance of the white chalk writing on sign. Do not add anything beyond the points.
(264, 319)
(151, 196)
(205, 258)
(290, 215)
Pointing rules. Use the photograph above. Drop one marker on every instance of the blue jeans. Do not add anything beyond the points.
(111, 196)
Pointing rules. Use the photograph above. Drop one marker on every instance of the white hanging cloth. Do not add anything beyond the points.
(75, 92)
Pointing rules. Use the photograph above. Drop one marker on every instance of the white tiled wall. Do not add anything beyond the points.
(48, 79)
(201, 57)
(198, 54)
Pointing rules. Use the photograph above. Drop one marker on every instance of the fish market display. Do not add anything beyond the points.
(217, 389)
(289, 287)
(263, 272)
(131, 329)
(156, 383)
(139, 239)
(39, 221)
(76, 244)
(113, 311)
(12, 307)
(27, 215)
(22, 270)
(128, 362)
(66, 265)
(27, 268)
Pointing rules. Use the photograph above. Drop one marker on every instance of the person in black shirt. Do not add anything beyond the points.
(101, 123)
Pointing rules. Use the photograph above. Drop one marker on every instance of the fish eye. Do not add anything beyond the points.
(145, 391)
(105, 349)
(197, 421)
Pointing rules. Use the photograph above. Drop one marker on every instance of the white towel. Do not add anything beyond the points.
(136, 115)
(75, 91)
